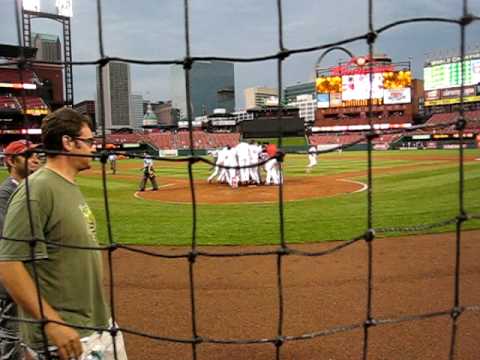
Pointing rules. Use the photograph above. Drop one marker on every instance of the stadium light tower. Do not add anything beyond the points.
(32, 9)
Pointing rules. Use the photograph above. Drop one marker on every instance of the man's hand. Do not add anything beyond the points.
(66, 339)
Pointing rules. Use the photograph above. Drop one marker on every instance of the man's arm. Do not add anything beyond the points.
(22, 289)
(4, 197)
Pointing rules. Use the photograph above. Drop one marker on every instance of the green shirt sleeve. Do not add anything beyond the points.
(17, 226)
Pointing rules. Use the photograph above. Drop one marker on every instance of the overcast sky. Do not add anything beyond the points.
(154, 29)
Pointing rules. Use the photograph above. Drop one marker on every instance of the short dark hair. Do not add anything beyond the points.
(64, 121)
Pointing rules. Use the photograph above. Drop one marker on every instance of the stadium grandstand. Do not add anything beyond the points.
(179, 140)
(21, 106)
(343, 115)
(442, 100)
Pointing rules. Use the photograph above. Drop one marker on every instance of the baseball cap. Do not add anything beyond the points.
(18, 147)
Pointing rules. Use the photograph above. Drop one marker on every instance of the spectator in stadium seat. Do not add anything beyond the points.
(70, 280)
(10, 343)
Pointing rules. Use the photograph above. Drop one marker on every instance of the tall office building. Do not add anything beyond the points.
(212, 85)
(51, 75)
(48, 47)
(260, 96)
(116, 95)
(136, 111)
(87, 107)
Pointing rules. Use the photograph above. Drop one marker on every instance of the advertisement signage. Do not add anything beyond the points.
(335, 100)
(448, 93)
(450, 101)
(397, 96)
(357, 87)
(432, 95)
(323, 100)
(421, 137)
(353, 84)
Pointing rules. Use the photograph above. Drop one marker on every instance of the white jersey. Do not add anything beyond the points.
(147, 162)
(254, 153)
(222, 154)
(312, 156)
(230, 157)
(242, 150)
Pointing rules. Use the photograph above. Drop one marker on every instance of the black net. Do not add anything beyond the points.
(196, 338)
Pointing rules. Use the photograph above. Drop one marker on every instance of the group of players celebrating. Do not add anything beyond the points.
(246, 156)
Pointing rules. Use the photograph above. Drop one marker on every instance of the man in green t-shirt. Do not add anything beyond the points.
(69, 278)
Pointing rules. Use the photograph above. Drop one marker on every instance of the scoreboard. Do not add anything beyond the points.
(448, 75)
(384, 87)
(443, 79)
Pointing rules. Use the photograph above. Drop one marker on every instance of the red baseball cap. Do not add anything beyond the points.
(18, 147)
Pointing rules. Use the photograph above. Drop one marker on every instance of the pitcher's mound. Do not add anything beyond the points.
(298, 188)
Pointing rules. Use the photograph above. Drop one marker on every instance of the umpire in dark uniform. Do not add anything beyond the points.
(148, 174)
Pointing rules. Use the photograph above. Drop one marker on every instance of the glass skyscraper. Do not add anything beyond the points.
(212, 86)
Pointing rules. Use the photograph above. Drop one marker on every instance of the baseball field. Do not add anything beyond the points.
(237, 297)
(329, 203)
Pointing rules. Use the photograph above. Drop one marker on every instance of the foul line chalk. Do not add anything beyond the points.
(363, 185)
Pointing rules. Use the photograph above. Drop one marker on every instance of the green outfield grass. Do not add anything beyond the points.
(408, 196)
(286, 141)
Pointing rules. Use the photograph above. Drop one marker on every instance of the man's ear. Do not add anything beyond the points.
(68, 143)
(10, 162)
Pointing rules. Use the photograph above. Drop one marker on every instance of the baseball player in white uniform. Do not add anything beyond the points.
(222, 157)
(216, 169)
(312, 158)
(243, 156)
(254, 154)
(232, 161)
(274, 176)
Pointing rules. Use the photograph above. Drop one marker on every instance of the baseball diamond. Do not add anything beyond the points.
(336, 218)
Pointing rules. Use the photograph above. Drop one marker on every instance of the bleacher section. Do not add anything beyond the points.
(162, 141)
(9, 104)
(34, 105)
(331, 139)
(386, 139)
(345, 138)
(179, 140)
(473, 118)
(442, 118)
(364, 121)
(125, 138)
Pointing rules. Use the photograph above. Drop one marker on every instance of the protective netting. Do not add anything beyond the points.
(194, 253)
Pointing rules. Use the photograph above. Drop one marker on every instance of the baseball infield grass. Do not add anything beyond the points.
(409, 188)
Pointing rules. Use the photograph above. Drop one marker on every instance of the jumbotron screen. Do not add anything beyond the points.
(447, 73)
(390, 87)
(442, 80)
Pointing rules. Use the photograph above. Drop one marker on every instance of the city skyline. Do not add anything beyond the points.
(144, 30)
